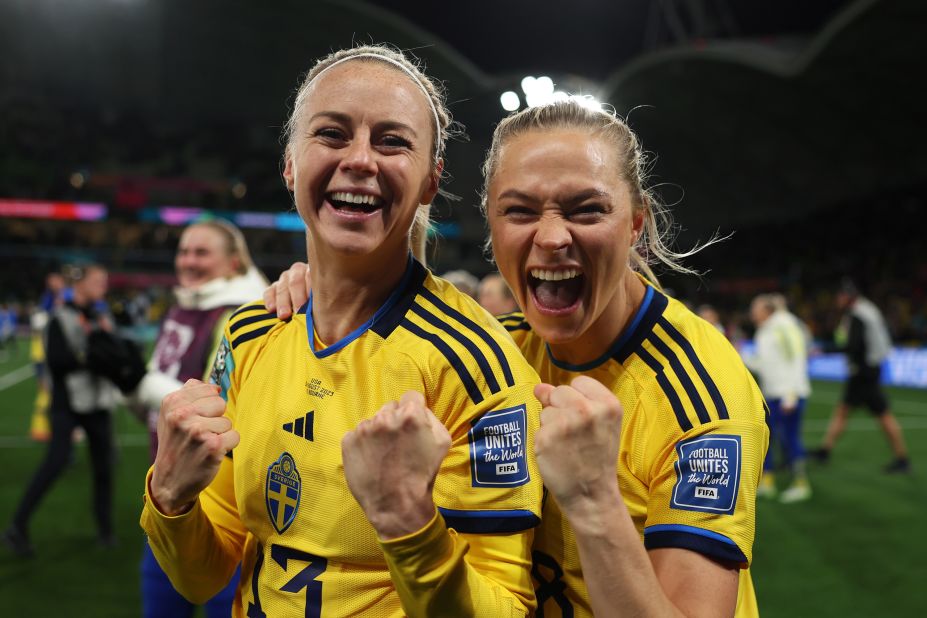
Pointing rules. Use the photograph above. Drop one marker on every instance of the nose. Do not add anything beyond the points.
(360, 156)
(552, 234)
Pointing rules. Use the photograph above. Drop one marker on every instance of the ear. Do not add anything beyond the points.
(637, 223)
(433, 182)
(288, 168)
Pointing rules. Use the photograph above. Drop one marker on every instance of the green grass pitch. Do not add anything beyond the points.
(857, 548)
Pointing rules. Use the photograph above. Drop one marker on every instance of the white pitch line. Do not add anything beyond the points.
(16, 376)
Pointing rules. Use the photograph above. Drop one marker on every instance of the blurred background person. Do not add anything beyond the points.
(79, 398)
(780, 362)
(464, 281)
(862, 334)
(495, 295)
(215, 276)
(52, 296)
(711, 315)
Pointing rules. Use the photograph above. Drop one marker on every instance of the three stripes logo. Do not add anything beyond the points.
(302, 427)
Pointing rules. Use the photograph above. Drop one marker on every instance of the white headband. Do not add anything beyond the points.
(412, 76)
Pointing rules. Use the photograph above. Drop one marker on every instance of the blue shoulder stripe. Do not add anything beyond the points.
(667, 388)
(250, 307)
(250, 335)
(487, 522)
(642, 324)
(405, 296)
(710, 386)
(480, 331)
(464, 341)
(513, 327)
(683, 376)
(251, 320)
(475, 395)
(711, 544)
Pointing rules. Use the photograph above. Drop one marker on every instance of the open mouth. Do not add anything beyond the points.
(354, 203)
(556, 291)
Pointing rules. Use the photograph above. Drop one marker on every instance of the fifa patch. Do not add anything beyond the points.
(222, 368)
(707, 474)
(282, 492)
(497, 448)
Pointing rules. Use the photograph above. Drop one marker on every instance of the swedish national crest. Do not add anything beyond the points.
(282, 492)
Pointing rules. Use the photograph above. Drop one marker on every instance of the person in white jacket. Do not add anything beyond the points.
(215, 276)
(780, 362)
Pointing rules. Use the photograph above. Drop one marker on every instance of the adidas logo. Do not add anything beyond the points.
(301, 427)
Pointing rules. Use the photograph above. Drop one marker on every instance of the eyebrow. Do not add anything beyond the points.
(574, 198)
(386, 125)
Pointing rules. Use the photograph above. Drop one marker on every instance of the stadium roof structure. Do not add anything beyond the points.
(757, 124)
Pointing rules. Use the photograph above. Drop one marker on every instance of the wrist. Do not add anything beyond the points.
(590, 510)
(164, 500)
(394, 524)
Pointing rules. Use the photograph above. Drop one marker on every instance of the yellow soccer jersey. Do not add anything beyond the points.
(693, 440)
(308, 548)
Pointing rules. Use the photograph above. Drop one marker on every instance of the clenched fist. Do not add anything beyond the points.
(391, 461)
(577, 444)
(193, 437)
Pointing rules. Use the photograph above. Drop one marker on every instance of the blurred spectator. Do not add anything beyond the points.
(495, 296)
(463, 281)
(215, 275)
(52, 297)
(710, 315)
(862, 334)
(8, 323)
(79, 398)
(781, 364)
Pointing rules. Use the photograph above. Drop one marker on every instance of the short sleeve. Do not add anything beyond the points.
(703, 489)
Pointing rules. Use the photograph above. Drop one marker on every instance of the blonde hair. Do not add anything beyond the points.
(434, 90)
(652, 246)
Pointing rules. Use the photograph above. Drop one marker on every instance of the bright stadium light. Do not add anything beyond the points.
(544, 85)
(510, 101)
(527, 85)
(587, 101)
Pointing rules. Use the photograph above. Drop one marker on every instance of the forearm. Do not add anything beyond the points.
(616, 567)
(199, 549)
(437, 572)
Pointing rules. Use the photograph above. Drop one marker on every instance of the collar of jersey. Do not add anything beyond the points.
(360, 330)
(618, 343)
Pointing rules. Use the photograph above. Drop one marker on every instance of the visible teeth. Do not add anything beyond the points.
(555, 275)
(356, 198)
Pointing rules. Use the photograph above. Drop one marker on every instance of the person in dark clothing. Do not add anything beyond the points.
(79, 398)
(862, 334)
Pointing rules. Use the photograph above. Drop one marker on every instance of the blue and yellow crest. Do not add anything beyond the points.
(282, 492)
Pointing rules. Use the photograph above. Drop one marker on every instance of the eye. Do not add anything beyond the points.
(588, 212)
(329, 133)
(518, 212)
(395, 141)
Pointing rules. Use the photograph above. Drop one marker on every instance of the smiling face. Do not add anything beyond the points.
(203, 255)
(562, 225)
(360, 161)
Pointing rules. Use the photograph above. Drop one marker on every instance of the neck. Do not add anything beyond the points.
(608, 327)
(347, 291)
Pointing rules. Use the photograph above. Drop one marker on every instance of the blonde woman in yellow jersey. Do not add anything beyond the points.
(570, 219)
(367, 457)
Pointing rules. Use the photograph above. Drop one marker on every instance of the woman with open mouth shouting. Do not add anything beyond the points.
(678, 460)
(389, 385)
